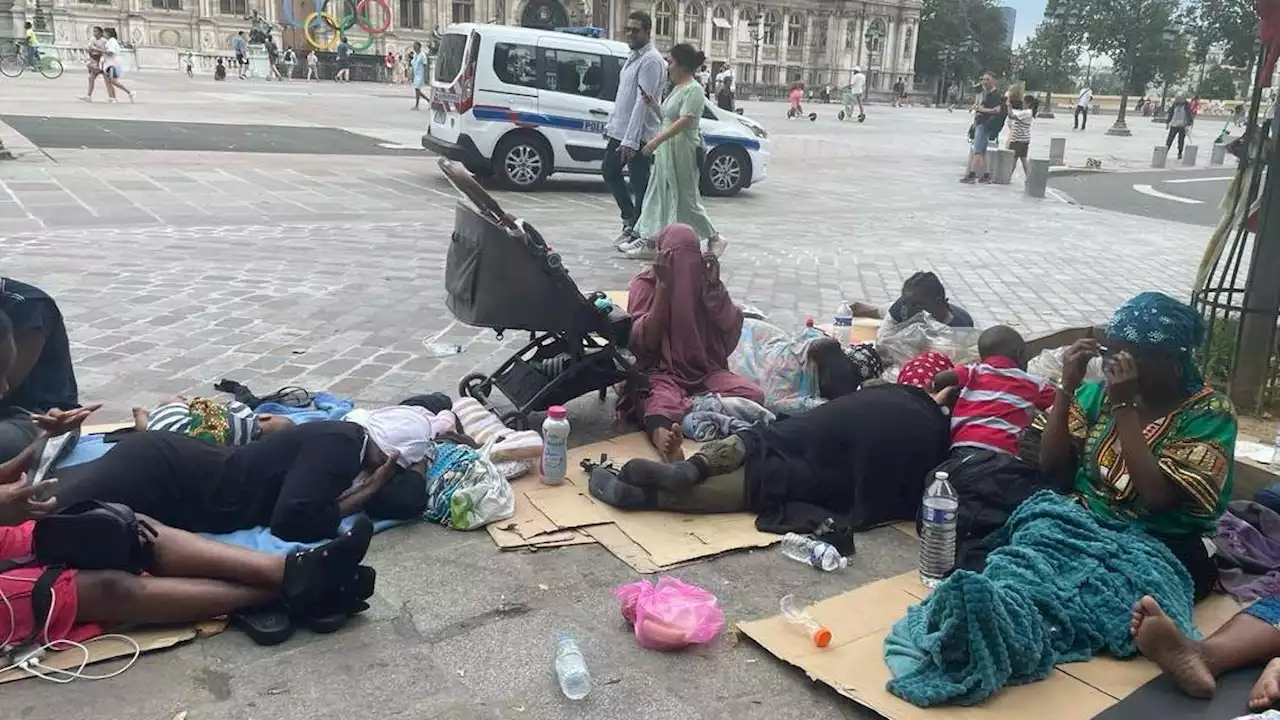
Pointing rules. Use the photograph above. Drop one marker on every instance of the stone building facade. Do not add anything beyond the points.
(765, 43)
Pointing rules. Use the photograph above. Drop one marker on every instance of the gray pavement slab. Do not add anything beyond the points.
(175, 269)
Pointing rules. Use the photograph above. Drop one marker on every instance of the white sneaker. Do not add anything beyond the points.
(133, 96)
(640, 249)
(717, 245)
(624, 239)
(86, 98)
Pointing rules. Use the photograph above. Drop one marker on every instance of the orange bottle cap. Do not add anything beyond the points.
(822, 637)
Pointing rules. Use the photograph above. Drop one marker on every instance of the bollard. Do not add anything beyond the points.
(1189, 155)
(1057, 152)
(1037, 177)
(1002, 169)
(1158, 156)
(1219, 155)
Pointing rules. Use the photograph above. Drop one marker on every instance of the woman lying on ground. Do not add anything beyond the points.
(1153, 446)
(299, 482)
(863, 456)
(1250, 639)
(684, 325)
(190, 578)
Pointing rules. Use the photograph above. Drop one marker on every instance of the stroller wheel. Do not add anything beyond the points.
(553, 260)
(516, 420)
(476, 386)
(841, 116)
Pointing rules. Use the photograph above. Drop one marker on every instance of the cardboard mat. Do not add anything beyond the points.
(554, 516)
(853, 664)
(113, 648)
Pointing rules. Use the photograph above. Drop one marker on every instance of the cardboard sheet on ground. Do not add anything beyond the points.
(111, 648)
(547, 516)
(853, 664)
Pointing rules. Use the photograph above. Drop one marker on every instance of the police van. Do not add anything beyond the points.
(521, 103)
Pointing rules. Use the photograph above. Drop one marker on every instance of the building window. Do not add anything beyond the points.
(821, 29)
(232, 7)
(411, 14)
(793, 73)
(166, 4)
(693, 21)
(662, 22)
(463, 11)
(851, 34)
(906, 44)
(795, 31)
(720, 24)
(875, 36)
(769, 74)
(771, 30)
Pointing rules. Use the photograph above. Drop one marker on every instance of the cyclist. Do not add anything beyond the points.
(31, 48)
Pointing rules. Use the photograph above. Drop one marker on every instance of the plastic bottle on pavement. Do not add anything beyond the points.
(555, 445)
(813, 552)
(843, 322)
(938, 530)
(571, 669)
(795, 614)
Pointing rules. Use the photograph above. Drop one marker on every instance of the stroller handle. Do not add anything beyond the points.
(466, 185)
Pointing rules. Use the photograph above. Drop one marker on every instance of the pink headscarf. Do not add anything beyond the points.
(704, 324)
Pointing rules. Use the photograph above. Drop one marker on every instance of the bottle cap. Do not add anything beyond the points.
(557, 412)
(940, 475)
(822, 636)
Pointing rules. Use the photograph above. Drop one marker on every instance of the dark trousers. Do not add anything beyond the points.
(628, 197)
(1081, 112)
(1181, 134)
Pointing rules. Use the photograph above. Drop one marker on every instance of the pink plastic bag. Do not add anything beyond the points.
(670, 615)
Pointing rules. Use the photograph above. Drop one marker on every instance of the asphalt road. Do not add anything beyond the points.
(1188, 196)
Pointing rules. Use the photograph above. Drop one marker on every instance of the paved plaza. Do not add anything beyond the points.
(321, 265)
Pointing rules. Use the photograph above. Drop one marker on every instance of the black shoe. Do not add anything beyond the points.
(308, 574)
(266, 625)
(985, 179)
(969, 179)
(332, 610)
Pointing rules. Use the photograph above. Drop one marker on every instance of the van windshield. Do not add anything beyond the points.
(449, 59)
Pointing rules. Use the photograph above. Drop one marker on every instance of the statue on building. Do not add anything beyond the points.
(259, 28)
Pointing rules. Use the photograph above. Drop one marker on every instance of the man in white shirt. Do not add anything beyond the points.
(857, 88)
(1083, 102)
(633, 123)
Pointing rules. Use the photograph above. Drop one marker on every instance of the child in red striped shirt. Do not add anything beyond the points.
(997, 397)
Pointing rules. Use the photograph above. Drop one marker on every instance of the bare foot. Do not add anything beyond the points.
(667, 441)
(1266, 692)
(140, 418)
(1178, 656)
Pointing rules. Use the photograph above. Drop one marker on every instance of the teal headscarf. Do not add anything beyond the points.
(1156, 321)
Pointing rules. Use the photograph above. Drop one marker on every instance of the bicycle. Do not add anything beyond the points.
(15, 63)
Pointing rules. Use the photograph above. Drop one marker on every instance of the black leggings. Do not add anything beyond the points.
(1082, 112)
(1191, 552)
(1181, 134)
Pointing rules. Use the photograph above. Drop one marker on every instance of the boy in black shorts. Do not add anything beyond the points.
(1019, 126)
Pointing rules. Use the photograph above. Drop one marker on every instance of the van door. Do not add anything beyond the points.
(453, 84)
(577, 83)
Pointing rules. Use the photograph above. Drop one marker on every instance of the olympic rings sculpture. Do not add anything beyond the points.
(358, 15)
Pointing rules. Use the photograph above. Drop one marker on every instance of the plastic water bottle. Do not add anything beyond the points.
(805, 549)
(796, 615)
(938, 530)
(555, 445)
(571, 669)
(843, 322)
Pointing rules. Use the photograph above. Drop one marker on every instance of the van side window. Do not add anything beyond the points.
(449, 57)
(516, 64)
(575, 73)
(707, 114)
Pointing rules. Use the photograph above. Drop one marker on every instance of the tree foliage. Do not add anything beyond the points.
(1218, 85)
(1136, 35)
(1231, 24)
(945, 25)
(1048, 59)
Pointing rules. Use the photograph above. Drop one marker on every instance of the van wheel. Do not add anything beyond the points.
(522, 161)
(726, 171)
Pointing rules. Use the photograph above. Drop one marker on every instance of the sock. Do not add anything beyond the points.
(607, 488)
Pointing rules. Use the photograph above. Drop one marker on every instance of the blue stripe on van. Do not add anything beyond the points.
(714, 140)
(497, 114)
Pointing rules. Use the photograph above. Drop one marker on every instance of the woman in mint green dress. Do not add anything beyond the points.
(673, 195)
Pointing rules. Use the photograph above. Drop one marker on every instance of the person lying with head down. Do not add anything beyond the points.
(921, 291)
(684, 326)
(299, 482)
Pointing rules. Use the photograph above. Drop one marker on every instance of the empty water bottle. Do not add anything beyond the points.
(812, 552)
(571, 669)
(938, 530)
(795, 614)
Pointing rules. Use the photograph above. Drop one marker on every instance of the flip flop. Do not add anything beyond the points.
(266, 625)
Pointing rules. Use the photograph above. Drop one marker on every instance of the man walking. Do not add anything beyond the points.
(343, 54)
(632, 124)
(988, 121)
(1083, 102)
(241, 46)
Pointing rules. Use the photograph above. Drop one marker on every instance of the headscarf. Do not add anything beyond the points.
(1156, 321)
(402, 428)
(704, 325)
(866, 360)
(920, 370)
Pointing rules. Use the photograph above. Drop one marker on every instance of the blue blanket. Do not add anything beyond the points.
(1060, 588)
(324, 406)
(91, 447)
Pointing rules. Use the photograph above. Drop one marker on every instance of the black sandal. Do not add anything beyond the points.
(266, 624)
(331, 612)
(310, 573)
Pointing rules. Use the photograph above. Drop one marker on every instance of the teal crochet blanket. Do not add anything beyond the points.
(1060, 588)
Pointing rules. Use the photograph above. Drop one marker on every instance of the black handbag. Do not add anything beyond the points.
(94, 535)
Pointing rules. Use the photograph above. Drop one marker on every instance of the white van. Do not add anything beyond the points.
(521, 103)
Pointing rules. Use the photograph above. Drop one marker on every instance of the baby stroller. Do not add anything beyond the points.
(500, 274)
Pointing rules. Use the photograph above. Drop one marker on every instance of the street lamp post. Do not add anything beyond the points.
(754, 31)
(1062, 21)
(1170, 34)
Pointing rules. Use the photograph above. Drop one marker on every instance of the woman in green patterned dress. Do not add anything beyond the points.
(1154, 445)
(673, 195)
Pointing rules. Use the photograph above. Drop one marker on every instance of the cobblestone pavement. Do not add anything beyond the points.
(175, 270)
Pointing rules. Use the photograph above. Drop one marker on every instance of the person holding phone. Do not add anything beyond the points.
(632, 123)
(673, 196)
